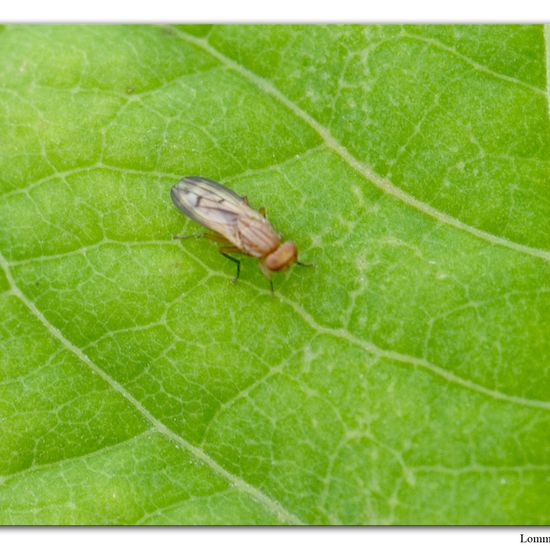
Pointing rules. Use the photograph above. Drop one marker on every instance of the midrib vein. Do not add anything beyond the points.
(273, 506)
(333, 144)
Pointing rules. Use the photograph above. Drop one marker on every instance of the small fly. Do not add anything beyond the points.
(234, 224)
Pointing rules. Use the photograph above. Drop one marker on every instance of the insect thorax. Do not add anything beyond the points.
(257, 237)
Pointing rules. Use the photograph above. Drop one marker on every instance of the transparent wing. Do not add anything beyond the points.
(213, 206)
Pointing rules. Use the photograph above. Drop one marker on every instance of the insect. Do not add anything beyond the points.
(234, 224)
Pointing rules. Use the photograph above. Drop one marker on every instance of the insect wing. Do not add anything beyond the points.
(212, 205)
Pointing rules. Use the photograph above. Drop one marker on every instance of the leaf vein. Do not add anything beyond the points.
(274, 506)
(333, 144)
(49, 465)
(336, 332)
(478, 66)
(399, 357)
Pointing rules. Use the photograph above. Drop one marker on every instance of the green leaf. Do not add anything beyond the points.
(403, 380)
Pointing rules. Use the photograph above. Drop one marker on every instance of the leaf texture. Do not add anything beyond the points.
(403, 380)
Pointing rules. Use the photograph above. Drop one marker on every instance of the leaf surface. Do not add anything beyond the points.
(403, 380)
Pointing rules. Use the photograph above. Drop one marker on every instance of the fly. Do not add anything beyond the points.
(236, 226)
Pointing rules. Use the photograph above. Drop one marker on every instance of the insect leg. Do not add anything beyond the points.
(271, 286)
(304, 265)
(238, 262)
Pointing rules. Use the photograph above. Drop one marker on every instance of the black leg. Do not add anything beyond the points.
(304, 265)
(238, 262)
(271, 285)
